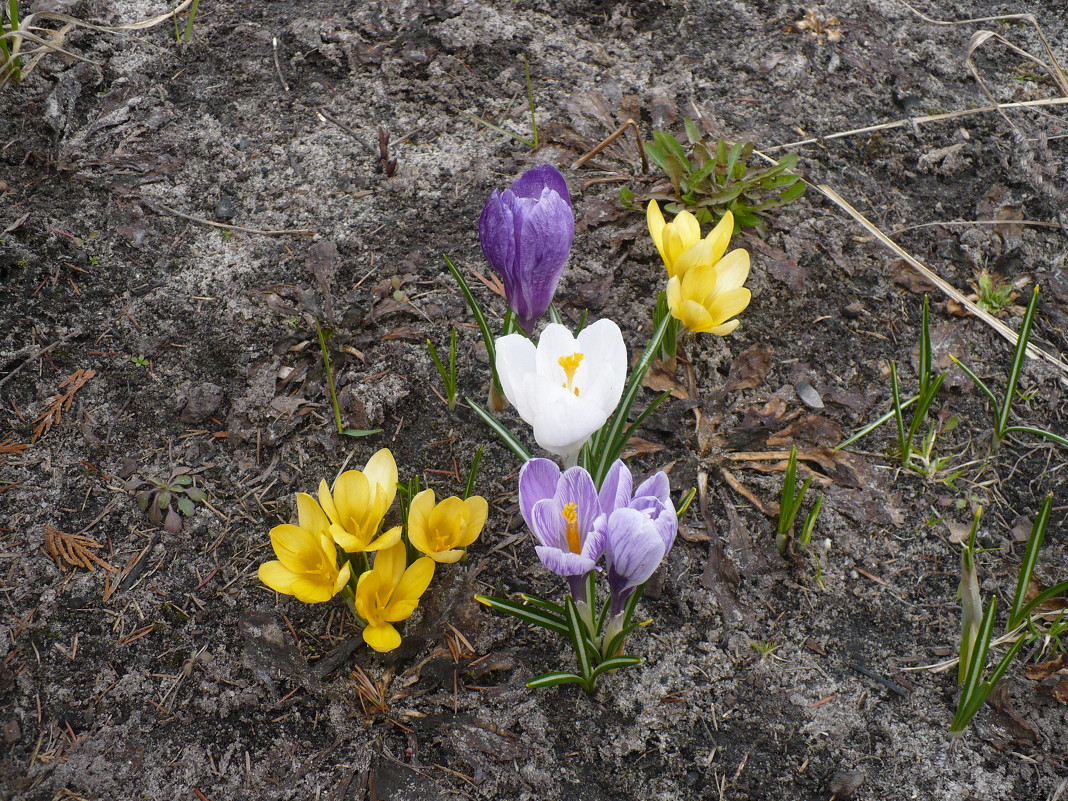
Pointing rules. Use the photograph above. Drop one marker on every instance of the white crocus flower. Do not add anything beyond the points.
(566, 387)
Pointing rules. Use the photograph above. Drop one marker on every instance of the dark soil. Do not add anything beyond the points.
(179, 675)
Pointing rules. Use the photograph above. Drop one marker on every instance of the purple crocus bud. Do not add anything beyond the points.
(526, 233)
(561, 509)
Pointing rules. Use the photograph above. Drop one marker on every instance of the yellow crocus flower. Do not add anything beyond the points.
(680, 243)
(389, 593)
(442, 530)
(358, 502)
(307, 557)
(707, 296)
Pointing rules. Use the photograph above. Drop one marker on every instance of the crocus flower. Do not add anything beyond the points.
(680, 243)
(389, 593)
(526, 234)
(566, 387)
(708, 295)
(307, 557)
(636, 529)
(561, 510)
(442, 530)
(358, 502)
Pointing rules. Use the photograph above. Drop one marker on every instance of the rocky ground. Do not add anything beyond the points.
(175, 217)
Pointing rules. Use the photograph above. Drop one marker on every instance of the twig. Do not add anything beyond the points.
(278, 65)
(610, 139)
(190, 217)
(32, 359)
(323, 115)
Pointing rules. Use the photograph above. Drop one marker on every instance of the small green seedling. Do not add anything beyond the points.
(711, 179)
(324, 334)
(532, 143)
(139, 360)
(163, 498)
(994, 295)
(10, 63)
(790, 505)
(1003, 408)
(928, 391)
(448, 374)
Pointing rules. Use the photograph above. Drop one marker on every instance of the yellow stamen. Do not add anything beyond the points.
(570, 365)
(570, 513)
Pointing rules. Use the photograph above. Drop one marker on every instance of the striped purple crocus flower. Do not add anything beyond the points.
(526, 233)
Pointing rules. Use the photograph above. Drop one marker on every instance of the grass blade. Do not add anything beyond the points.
(506, 436)
(480, 318)
(577, 631)
(526, 613)
(1017, 365)
(615, 663)
(554, 678)
(872, 426)
(978, 382)
(1027, 566)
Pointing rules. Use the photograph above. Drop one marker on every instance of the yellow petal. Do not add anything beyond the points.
(694, 316)
(448, 523)
(732, 271)
(343, 577)
(414, 581)
(477, 512)
(352, 499)
(720, 236)
(277, 576)
(655, 218)
(387, 540)
(730, 303)
(699, 284)
(347, 542)
(726, 328)
(674, 295)
(691, 258)
(419, 519)
(296, 548)
(684, 232)
(368, 587)
(382, 637)
(310, 514)
(326, 501)
(313, 589)
(389, 563)
(381, 473)
(447, 557)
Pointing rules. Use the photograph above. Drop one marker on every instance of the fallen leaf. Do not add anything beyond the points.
(660, 379)
(1052, 677)
(1009, 225)
(636, 446)
(907, 276)
(812, 429)
(750, 368)
(1005, 715)
(73, 550)
(321, 262)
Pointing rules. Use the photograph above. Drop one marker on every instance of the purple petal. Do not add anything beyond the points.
(547, 524)
(656, 486)
(577, 487)
(544, 176)
(662, 517)
(564, 563)
(616, 487)
(496, 230)
(538, 480)
(633, 549)
(544, 231)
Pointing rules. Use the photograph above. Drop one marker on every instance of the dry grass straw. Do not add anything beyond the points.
(1053, 67)
(50, 40)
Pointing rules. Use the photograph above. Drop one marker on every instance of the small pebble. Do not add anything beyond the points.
(853, 310)
(845, 782)
(808, 395)
(224, 209)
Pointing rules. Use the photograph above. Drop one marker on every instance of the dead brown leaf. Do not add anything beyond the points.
(61, 402)
(810, 430)
(749, 368)
(73, 550)
(1052, 677)
(904, 275)
(660, 378)
(1005, 715)
(636, 446)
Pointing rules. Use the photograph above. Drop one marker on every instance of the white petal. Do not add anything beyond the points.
(515, 360)
(555, 342)
(606, 353)
(565, 422)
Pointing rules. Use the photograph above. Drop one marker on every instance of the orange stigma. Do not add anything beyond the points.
(570, 365)
(570, 513)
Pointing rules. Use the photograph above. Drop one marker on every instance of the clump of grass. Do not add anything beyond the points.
(977, 623)
(1003, 407)
(712, 178)
(447, 373)
(994, 294)
(790, 506)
